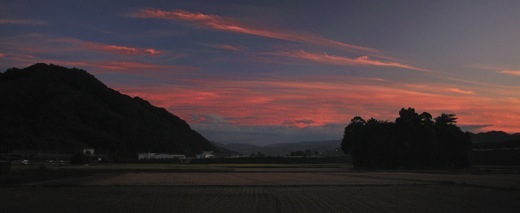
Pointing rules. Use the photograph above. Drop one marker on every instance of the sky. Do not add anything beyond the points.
(264, 72)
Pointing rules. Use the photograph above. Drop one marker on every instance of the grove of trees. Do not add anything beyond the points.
(412, 141)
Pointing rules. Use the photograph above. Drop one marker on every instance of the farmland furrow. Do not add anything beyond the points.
(422, 198)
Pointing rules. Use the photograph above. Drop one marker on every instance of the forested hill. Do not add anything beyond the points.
(53, 108)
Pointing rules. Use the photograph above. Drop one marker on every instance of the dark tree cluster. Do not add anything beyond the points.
(412, 141)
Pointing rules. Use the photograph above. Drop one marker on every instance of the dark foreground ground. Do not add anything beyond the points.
(272, 189)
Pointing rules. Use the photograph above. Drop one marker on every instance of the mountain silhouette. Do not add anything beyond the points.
(53, 108)
(495, 140)
(493, 137)
(283, 148)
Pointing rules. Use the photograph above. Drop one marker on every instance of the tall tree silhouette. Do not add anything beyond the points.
(455, 144)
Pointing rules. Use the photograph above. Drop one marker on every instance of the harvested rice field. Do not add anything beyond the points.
(270, 190)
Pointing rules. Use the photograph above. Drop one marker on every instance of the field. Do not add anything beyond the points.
(266, 188)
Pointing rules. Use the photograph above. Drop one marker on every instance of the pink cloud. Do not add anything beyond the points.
(325, 58)
(499, 90)
(38, 43)
(115, 48)
(277, 102)
(153, 51)
(227, 24)
(439, 88)
(32, 48)
(121, 49)
(465, 92)
(498, 69)
(228, 47)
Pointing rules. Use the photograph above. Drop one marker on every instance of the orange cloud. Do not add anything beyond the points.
(325, 58)
(226, 24)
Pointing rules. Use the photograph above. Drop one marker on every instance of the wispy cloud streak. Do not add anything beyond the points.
(498, 69)
(118, 49)
(510, 72)
(22, 21)
(227, 47)
(41, 43)
(226, 24)
(347, 61)
(464, 92)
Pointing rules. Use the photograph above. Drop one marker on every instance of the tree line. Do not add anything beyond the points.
(412, 141)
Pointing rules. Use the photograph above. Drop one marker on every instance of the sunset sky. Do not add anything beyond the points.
(266, 72)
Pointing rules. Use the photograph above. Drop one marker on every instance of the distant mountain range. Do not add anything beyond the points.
(493, 136)
(329, 147)
(495, 140)
(53, 108)
(492, 139)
